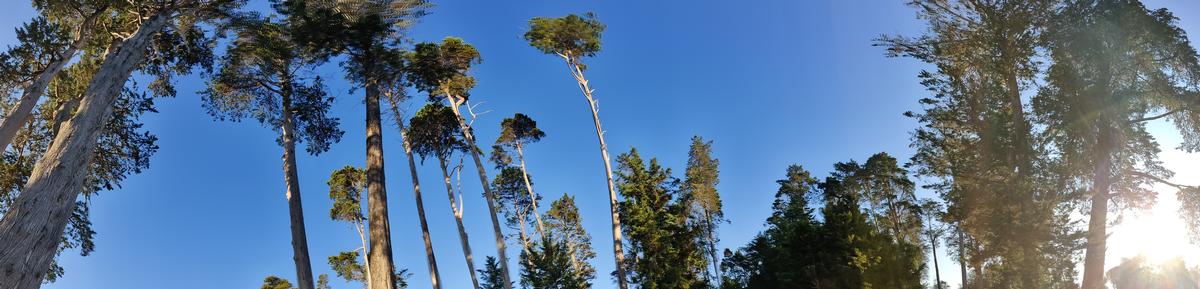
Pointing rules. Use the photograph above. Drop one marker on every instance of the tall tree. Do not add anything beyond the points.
(261, 77)
(394, 91)
(1116, 66)
(931, 211)
(662, 248)
(39, 215)
(346, 186)
(700, 192)
(434, 131)
(515, 133)
(563, 220)
(441, 70)
(572, 38)
(345, 264)
(367, 31)
(45, 49)
(515, 202)
(548, 266)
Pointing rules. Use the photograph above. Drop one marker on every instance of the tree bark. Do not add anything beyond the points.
(431, 260)
(487, 190)
(541, 229)
(462, 231)
(362, 237)
(712, 246)
(937, 272)
(304, 277)
(1093, 260)
(962, 259)
(21, 113)
(34, 225)
(618, 252)
(382, 271)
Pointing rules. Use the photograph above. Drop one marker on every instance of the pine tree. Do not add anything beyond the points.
(662, 250)
(563, 220)
(700, 193)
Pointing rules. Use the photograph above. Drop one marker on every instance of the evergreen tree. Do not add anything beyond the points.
(700, 193)
(493, 277)
(261, 77)
(662, 248)
(272, 282)
(434, 131)
(346, 186)
(563, 220)
(441, 71)
(572, 38)
(515, 133)
(548, 266)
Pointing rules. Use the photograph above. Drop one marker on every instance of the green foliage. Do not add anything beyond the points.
(434, 131)
(260, 77)
(563, 221)
(346, 265)
(570, 36)
(272, 282)
(346, 188)
(662, 252)
(515, 133)
(39, 42)
(548, 266)
(508, 187)
(699, 191)
(441, 69)
(491, 277)
(323, 282)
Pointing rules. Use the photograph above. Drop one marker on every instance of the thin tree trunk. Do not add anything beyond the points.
(21, 112)
(487, 190)
(1093, 260)
(712, 247)
(462, 231)
(304, 276)
(937, 272)
(383, 272)
(33, 226)
(618, 252)
(362, 237)
(541, 229)
(431, 260)
(962, 262)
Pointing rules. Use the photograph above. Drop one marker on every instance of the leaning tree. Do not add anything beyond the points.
(572, 38)
(441, 71)
(262, 76)
(38, 217)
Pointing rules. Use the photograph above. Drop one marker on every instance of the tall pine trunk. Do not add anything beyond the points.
(304, 276)
(462, 231)
(962, 259)
(31, 230)
(618, 252)
(382, 271)
(937, 272)
(1093, 260)
(430, 259)
(487, 190)
(23, 110)
(541, 229)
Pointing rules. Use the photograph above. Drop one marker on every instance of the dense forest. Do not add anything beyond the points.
(1032, 142)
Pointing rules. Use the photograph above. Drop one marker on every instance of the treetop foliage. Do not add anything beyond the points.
(570, 36)
(346, 187)
(434, 131)
(442, 69)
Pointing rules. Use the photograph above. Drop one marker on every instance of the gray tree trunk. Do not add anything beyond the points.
(501, 250)
(304, 277)
(31, 230)
(462, 231)
(383, 274)
(1093, 260)
(431, 260)
(22, 112)
(618, 252)
(541, 228)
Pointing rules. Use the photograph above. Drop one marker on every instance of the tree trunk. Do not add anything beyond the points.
(31, 230)
(29, 98)
(362, 237)
(541, 229)
(1093, 260)
(382, 271)
(937, 272)
(462, 231)
(962, 260)
(304, 276)
(712, 247)
(430, 259)
(618, 252)
(487, 190)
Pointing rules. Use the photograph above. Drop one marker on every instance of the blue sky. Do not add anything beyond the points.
(772, 83)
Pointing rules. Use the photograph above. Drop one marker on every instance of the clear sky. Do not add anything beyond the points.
(772, 83)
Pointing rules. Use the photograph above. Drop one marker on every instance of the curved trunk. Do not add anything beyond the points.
(487, 191)
(23, 110)
(304, 276)
(462, 231)
(541, 229)
(430, 259)
(618, 252)
(362, 237)
(33, 226)
(383, 274)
